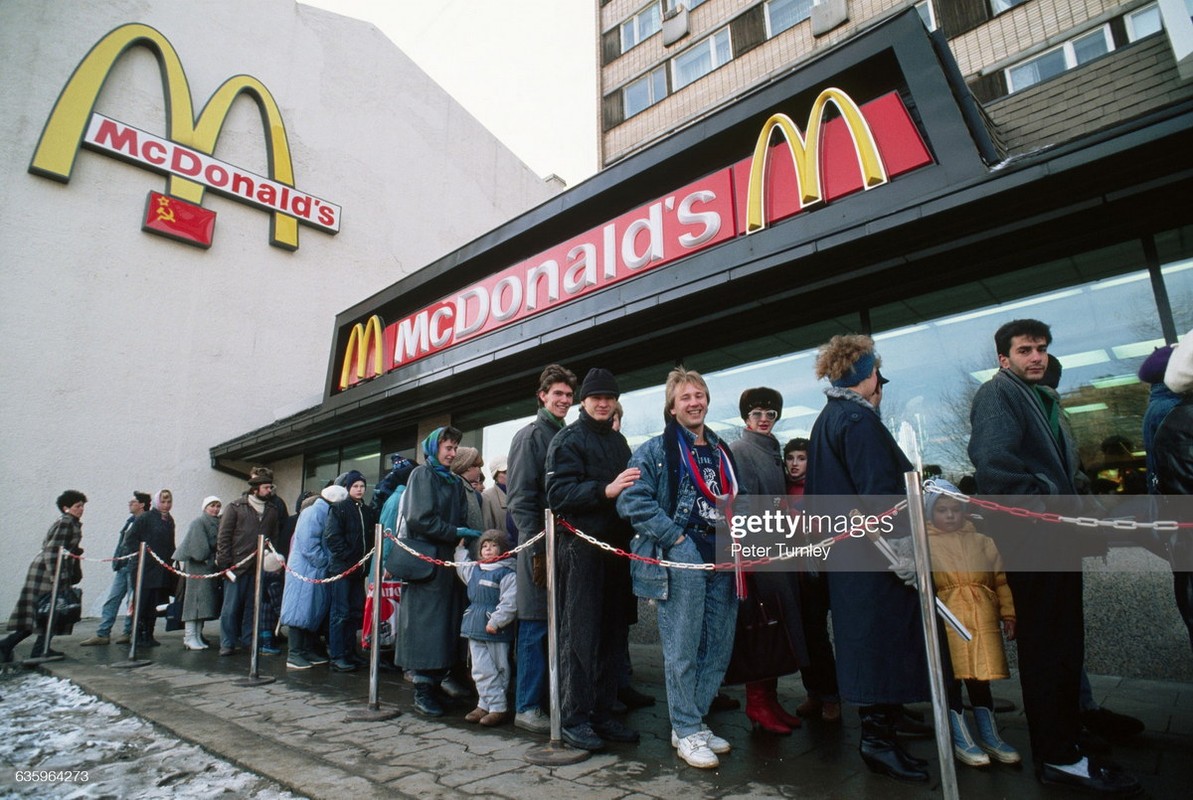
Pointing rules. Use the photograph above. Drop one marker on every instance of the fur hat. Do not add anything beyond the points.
(499, 464)
(260, 475)
(209, 500)
(494, 535)
(760, 397)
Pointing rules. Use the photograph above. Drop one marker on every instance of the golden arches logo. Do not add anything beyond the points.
(362, 337)
(63, 133)
(805, 153)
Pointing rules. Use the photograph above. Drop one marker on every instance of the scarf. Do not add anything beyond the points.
(430, 447)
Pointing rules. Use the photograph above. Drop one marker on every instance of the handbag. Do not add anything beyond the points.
(68, 609)
(762, 647)
(402, 565)
(174, 608)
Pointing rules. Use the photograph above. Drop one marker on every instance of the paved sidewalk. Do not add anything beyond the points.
(294, 731)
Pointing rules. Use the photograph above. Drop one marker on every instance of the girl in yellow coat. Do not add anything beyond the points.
(969, 577)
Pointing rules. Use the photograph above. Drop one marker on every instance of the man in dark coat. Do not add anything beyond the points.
(879, 638)
(249, 516)
(347, 534)
(526, 500)
(1019, 447)
(586, 471)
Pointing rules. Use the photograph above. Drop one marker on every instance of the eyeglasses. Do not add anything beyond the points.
(769, 413)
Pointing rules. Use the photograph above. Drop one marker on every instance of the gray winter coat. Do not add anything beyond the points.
(429, 614)
(526, 499)
(197, 554)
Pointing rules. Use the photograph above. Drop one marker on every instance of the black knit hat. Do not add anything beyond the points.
(760, 397)
(599, 381)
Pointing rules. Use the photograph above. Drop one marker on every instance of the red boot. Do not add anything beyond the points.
(761, 709)
(791, 721)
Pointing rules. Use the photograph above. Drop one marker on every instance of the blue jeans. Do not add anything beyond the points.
(236, 615)
(346, 615)
(696, 625)
(531, 691)
(122, 585)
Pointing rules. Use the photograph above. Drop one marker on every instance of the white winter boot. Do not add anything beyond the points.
(190, 637)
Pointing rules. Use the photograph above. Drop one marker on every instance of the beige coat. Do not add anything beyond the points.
(970, 580)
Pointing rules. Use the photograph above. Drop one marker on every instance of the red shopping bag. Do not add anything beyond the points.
(391, 595)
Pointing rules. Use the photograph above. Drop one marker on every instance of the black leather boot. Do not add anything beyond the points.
(879, 749)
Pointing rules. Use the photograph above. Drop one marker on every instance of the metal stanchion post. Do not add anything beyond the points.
(254, 679)
(555, 752)
(132, 660)
(374, 712)
(49, 632)
(923, 571)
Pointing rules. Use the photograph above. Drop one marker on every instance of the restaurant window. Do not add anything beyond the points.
(1062, 58)
(323, 466)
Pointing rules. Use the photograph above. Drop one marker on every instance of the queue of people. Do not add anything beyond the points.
(663, 503)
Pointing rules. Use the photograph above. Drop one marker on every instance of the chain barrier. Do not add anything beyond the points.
(209, 576)
(101, 560)
(1083, 522)
(329, 578)
(441, 563)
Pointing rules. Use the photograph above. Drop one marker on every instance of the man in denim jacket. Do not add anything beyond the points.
(673, 510)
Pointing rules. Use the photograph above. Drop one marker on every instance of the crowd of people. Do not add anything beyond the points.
(484, 623)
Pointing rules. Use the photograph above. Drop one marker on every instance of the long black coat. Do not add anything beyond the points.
(526, 500)
(157, 532)
(65, 532)
(429, 615)
(876, 618)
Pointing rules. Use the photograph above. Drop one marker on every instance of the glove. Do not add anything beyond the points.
(538, 570)
(904, 566)
(467, 533)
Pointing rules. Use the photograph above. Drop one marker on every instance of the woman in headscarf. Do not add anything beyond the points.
(66, 532)
(429, 615)
(201, 601)
(156, 529)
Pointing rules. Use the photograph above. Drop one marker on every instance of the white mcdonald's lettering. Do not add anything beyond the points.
(171, 158)
(697, 216)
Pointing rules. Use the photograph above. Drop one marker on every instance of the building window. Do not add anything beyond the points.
(701, 59)
(323, 467)
(999, 6)
(927, 14)
(645, 92)
(1051, 63)
(1144, 22)
(671, 5)
(641, 26)
(784, 14)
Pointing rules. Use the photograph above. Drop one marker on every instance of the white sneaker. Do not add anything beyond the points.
(715, 743)
(694, 750)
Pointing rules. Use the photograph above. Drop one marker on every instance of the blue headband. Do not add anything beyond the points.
(861, 369)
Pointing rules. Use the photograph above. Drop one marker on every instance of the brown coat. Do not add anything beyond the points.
(65, 532)
(970, 580)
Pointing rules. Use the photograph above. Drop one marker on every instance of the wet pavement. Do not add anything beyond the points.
(296, 731)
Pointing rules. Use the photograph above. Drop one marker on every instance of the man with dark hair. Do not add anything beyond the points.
(526, 500)
(1020, 447)
(123, 583)
(249, 516)
(586, 471)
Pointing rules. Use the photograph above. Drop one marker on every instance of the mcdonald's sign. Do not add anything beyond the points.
(184, 154)
(364, 339)
(864, 147)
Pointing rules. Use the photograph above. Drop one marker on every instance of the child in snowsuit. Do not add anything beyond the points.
(488, 623)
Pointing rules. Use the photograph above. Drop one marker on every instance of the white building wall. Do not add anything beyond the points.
(128, 355)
